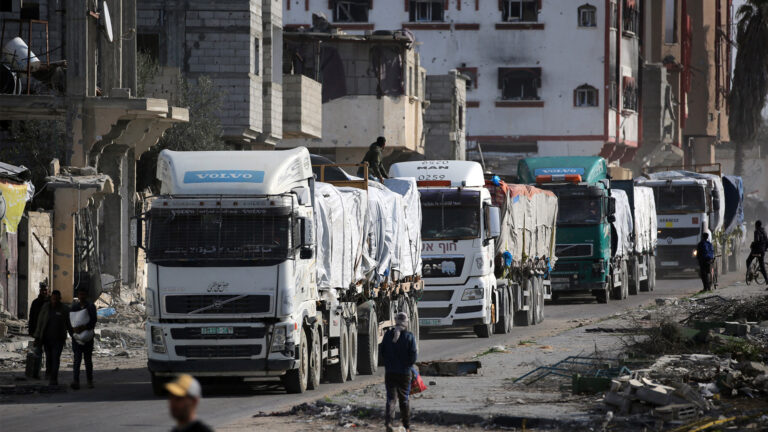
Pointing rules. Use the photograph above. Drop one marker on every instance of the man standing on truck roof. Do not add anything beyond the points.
(373, 157)
(398, 350)
(758, 247)
(706, 256)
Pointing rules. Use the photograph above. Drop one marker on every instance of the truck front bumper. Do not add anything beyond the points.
(442, 305)
(222, 367)
(576, 286)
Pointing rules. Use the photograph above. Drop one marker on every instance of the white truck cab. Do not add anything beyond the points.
(459, 225)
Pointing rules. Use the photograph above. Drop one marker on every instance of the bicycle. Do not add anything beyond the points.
(753, 272)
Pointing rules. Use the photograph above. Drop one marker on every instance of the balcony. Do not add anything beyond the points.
(302, 107)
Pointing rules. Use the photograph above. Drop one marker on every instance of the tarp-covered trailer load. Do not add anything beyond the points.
(642, 264)
(622, 225)
(734, 227)
(525, 248)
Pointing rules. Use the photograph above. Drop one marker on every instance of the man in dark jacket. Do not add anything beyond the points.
(83, 351)
(398, 350)
(705, 253)
(373, 157)
(185, 394)
(51, 333)
(757, 248)
(37, 304)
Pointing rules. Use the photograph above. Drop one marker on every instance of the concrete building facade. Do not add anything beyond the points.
(548, 77)
(372, 86)
(445, 120)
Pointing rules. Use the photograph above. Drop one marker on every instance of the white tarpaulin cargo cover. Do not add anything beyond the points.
(623, 224)
(340, 215)
(719, 218)
(646, 224)
(408, 255)
(383, 230)
(528, 221)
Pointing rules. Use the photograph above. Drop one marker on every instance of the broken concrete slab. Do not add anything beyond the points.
(752, 368)
(448, 368)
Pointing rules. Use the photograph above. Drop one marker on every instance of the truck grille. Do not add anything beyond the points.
(444, 295)
(211, 351)
(237, 333)
(217, 304)
(442, 267)
(573, 250)
(677, 233)
(566, 267)
(434, 312)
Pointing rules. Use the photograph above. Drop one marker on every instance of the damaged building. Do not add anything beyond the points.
(372, 85)
(78, 69)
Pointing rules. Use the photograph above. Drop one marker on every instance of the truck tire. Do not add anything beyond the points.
(652, 273)
(368, 347)
(315, 360)
(415, 321)
(352, 351)
(505, 312)
(538, 315)
(605, 295)
(634, 280)
(158, 385)
(525, 317)
(622, 291)
(485, 331)
(645, 285)
(296, 380)
(338, 372)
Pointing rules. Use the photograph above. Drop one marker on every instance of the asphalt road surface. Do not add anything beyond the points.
(123, 400)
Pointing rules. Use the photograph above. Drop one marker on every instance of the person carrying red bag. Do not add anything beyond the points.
(399, 352)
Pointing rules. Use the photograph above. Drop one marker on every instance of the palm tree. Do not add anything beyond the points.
(750, 77)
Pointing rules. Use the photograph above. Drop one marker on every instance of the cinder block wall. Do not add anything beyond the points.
(445, 118)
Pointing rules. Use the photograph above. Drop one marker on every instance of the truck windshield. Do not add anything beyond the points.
(227, 236)
(581, 211)
(679, 199)
(450, 214)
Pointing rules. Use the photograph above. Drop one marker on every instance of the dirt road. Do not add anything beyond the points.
(123, 400)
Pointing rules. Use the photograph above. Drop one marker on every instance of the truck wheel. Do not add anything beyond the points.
(315, 360)
(503, 327)
(158, 385)
(337, 372)
(368, 347)
(415, 322)
(634, 281)
(352, 351)
(539, 311)
(645, 285)
(525, 317)
(605, 295)
(652, 274)
(295, 380)
(485, 331)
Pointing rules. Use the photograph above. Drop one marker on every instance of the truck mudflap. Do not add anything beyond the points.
(223, 367)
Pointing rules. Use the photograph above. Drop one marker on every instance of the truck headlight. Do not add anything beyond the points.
(695, 253)
(472, 294)
(278, 339)
(158, 340)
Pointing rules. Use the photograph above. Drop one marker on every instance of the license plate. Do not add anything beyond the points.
(669, 263)
(216, 331)
(429, 322)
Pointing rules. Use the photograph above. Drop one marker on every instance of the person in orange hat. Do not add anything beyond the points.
(185, 393)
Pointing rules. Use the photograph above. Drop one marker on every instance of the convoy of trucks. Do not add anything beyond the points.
(263, 266)
(257, 271)
(486, 250)
(594, 234)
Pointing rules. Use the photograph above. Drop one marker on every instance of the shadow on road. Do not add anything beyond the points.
(447, 333)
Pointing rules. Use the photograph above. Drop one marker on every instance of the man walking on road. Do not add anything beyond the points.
(373, 157)
(83, 350)
(758, 247)
(51, 333)
(34, 313)
(185, 393)
(706, 255)
(398, 350)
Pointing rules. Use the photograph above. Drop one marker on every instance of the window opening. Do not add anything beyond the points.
(520, 11)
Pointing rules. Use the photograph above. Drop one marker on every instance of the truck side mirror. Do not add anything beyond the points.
(611, 208)
(715, 202)
(307, 238)
(494, 221)
(135, 232)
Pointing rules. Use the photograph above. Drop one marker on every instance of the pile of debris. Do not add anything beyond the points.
(635, 394)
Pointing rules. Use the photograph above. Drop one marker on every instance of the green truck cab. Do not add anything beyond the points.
(590, 254)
